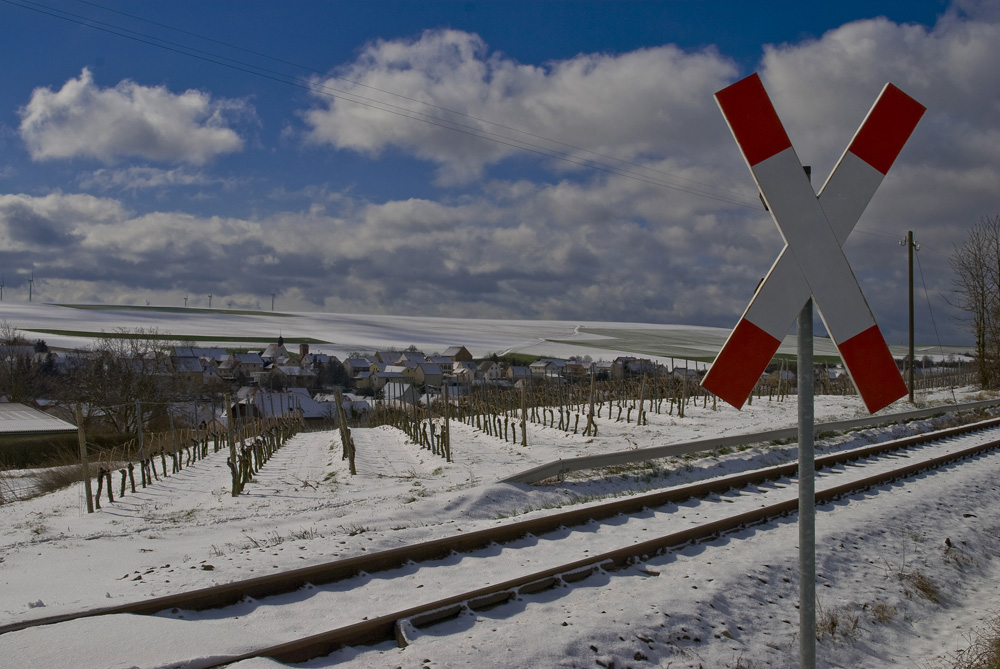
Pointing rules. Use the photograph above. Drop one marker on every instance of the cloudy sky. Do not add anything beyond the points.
(561, 160)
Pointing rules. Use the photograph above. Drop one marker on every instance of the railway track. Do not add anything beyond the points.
(674, 517)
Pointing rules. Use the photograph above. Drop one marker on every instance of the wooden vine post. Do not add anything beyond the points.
(447, 425)
(524, 413)
(81, 436)
(591, 429)
(345, 434)
(138, 440)
(231, 461)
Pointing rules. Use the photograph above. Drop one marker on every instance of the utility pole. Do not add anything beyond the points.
(910, 248)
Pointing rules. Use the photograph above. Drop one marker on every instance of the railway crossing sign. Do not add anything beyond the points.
(814, 227)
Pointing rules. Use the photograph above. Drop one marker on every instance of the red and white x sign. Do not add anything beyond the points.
(814, 229)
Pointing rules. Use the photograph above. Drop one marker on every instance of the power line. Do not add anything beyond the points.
(931, 312)
(329, 91)
(408, 98)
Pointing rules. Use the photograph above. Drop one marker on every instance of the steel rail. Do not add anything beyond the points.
(392, 627)
(228, 594)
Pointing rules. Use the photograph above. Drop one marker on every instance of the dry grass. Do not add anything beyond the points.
(56, 478)
(983, 651)
(881, 612)
(6, 489)
(921, 585)
(834, 622)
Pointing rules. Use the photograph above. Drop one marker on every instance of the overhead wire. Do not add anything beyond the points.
(920, 268)
(410, 99)
(329, 91)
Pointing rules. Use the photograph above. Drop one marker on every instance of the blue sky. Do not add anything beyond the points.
(560, 160)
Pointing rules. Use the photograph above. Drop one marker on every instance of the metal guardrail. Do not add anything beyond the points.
(564, 466)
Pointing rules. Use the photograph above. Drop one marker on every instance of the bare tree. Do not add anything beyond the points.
(977, 285)
(18, 378)
(124, 368)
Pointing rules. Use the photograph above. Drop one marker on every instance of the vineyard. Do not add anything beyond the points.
(251, 443)
(507, 413)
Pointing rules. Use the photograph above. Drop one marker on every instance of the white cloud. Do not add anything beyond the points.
(42, 224)
(591, 245)
(629, 105)
(142, 178)
(946, 177)
(130, 120)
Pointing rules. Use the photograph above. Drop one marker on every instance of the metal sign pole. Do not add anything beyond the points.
(807, 492)
(812, 266)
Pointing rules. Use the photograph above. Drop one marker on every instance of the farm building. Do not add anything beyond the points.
(29, 436)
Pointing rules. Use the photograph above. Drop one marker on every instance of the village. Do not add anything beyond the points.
(276, 381)
(195, 381)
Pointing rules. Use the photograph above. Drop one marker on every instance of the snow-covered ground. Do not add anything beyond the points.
(342, 334)
(730, 602)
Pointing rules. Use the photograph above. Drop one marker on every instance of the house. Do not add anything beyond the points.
(247, 364)
(636, 366)
(254, 401)
(210, 377)
(458, 354)
(410, 357)
(355, 365)
(444, 362)
(464, 375)
(429, 374)
(607, 369)
(189, 370)
(316, 360)
(216, 355)
(292, 375)
(378, 380)
(67, 362)
(689, 373)
(488, 370)
(355, 406)
(363, 380)
(517, 373)
(276, 351)
(548, 368)
(401, 394)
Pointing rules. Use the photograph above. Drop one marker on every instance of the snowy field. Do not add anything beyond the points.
(729, 602)
(341, 334)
